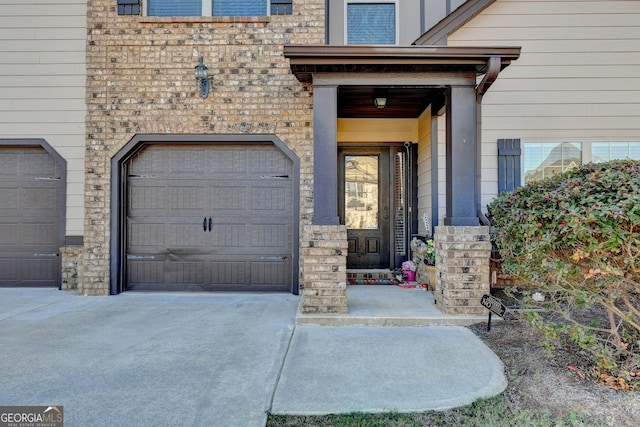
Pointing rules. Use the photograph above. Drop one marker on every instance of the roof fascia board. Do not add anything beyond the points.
(401, 79)
(327, 54)
(438, 34)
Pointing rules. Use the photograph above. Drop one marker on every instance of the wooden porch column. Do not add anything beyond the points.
(325, 155)
(462, 152)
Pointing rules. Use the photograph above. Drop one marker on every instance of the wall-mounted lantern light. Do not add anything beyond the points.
(202, 77)
(380, 102)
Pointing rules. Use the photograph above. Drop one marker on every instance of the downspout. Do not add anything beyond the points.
(493, 69)
(326, 22)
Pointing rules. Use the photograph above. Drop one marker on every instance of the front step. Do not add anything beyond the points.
(388, 306)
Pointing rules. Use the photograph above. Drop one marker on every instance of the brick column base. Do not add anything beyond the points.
(462, 268)
(324, 269)
(71, 263)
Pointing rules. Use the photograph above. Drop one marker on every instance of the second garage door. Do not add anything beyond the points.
(209, 217)
(30, 219)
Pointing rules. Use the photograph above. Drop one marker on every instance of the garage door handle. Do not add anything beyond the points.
(204, 224)
(210, 222)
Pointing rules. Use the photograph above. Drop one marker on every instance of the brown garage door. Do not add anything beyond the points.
(209, 217)
(30, 192)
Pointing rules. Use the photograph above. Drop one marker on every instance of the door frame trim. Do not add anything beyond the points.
(410, 218)
(117, 250)
(62, 189)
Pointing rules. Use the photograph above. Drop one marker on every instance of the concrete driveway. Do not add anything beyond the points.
(217, 359)
(149, 359)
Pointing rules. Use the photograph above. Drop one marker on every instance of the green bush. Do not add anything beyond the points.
(575, 238)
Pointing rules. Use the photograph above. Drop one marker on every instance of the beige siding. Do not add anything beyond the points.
(425, 166)
(42, 84)
(578, 77)
(377, 130)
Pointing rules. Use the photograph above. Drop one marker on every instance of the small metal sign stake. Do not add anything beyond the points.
(494, 305)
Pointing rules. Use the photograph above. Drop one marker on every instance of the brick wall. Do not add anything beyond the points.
(71, 266)
(462, 268)
(140, 81)
(324, 268)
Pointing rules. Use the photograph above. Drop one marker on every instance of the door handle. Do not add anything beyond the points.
(210, 223)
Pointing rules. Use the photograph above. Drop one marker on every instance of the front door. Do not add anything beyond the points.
(365, 206)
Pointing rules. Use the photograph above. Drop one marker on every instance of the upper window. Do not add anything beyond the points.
(128, 7)
(371, 22)
(216, 7)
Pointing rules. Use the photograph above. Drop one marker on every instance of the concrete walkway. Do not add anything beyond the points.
(216, 359)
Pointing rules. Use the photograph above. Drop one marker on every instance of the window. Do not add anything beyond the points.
(605, 151)
(128, 7)
(371, 22)
(545, 159)
(281, 7)
(214, 7)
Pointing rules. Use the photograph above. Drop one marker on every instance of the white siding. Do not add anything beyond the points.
(42, 84)
(578, 77)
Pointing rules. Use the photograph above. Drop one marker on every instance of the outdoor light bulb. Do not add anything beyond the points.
(201, 70)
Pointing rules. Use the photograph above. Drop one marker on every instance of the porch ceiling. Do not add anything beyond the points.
(402, 102)
(356, 101)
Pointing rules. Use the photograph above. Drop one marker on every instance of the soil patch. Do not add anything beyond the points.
(560, 383)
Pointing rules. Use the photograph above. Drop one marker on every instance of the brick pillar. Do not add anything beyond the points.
(324, 269)
(71, 264)
(462, 268)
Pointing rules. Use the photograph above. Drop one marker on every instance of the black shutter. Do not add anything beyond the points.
(509, 175)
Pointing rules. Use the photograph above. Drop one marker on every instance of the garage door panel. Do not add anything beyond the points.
(9, 270)
(146, 235)
(38, 235)
(9, 233)
(184, 272)
(147, 198)
(186, 235)
(38, 270)
(37, 199)
(30, 217)
(250, 213)
(223, 162)
(28, 270)
(268, 161)
(145, 271)
(8, 200)
(228, 198)
(272, 236)
(271, 273)
(274, 199)
(185, 198)
(228, 235)
(228, 273)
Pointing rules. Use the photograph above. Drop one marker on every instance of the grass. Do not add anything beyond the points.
(492, 412)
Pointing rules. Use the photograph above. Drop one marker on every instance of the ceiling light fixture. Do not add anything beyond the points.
(380, 102)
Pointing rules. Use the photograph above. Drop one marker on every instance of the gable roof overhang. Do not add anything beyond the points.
(437, 35)
(308, 60)
(382, 69)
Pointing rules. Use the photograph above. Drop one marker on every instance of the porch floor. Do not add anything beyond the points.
(388, 305)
